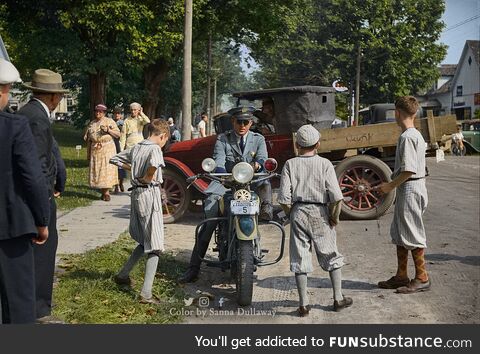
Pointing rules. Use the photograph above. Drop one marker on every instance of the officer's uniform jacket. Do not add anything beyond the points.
(227, 152)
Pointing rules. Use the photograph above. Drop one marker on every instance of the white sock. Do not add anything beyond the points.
(301, 280)
(150, 271)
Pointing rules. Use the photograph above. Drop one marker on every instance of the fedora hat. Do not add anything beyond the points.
(47, 81)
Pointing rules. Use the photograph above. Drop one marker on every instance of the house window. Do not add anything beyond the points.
(469, 60)
(459, 90)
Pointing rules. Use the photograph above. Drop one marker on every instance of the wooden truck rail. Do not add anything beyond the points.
(358, 172)
(433, 129)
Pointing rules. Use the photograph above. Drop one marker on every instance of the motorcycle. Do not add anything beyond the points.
(237, 236)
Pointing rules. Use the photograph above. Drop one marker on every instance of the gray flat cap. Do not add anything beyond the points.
(307, 136)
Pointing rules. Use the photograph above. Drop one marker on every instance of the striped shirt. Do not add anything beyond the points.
(146, 217)
(141, 156)
(309, 179)
(410, 154)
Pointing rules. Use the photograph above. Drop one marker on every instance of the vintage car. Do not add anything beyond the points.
(361, 155)
(471, 134)
(377, 113)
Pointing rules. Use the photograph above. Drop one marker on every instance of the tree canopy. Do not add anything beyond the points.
(397, 39)
(122, 51)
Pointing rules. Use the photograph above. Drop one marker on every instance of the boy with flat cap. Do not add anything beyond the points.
(310, 194)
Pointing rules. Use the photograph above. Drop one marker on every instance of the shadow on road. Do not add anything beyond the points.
(288, 283)
(470, 260)
(123, 212)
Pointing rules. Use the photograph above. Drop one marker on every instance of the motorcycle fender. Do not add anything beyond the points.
(245, 227)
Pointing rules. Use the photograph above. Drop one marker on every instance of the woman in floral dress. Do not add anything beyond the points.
(100, 149)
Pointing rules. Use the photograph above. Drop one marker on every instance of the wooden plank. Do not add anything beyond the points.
(431, 126)
(384, 134)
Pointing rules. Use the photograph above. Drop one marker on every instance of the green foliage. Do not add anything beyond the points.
(77, 192)
(86, 293)
(107, 31)
(397, 41)
(295, 41)
(226, 68)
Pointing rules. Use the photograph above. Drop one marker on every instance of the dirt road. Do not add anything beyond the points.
(453, 261)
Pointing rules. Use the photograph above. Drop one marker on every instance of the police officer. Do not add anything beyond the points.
(237, 145)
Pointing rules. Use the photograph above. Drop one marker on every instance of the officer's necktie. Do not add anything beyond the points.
(242, 143)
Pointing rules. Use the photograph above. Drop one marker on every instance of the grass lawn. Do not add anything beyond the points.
(77, 192)
(86, 293)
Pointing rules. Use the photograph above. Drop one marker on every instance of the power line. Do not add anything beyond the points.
(463, 22)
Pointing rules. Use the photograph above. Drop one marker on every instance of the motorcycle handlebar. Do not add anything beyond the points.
(217, 177)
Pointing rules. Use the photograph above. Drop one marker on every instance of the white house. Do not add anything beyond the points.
(465, 93)
(439, 97)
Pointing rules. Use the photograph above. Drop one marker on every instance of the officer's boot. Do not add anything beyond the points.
(198, 252)
(265, 193)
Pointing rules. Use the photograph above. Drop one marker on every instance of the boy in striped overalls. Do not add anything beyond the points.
(145, 161)
(310, 193)
(407, 230)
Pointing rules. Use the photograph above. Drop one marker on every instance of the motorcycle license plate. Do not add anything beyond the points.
(244, 207)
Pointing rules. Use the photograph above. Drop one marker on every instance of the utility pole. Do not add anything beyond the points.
(357, 86)
(215, 76)
(187, 74)
(209, 83)
(215, 96)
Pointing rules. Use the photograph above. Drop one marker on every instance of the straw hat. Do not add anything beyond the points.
(47, 81)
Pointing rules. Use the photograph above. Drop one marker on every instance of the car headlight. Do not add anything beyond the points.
(208, 165)
(242, 172)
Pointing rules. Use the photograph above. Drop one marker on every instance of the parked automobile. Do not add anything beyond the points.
(471, 134)
(361, 155)
(381, 113)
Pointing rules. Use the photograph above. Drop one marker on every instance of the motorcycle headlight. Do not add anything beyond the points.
(242, 172)
(208, 165)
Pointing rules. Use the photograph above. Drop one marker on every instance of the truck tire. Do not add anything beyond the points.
(175, 196)
(356, 176)
(244, 273)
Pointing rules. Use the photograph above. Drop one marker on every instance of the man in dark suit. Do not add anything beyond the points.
(47, 91)
(24, 209)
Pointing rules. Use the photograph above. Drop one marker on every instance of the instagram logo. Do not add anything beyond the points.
(203, 301)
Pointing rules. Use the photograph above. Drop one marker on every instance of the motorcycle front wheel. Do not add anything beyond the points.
(244, 272)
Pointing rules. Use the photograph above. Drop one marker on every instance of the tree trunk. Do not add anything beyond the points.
(153, 76)
(209, 69)
(97, 83)
(187, 74)
(357, 86)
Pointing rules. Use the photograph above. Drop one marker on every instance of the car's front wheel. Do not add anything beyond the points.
(175, 196)
(357, 177)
